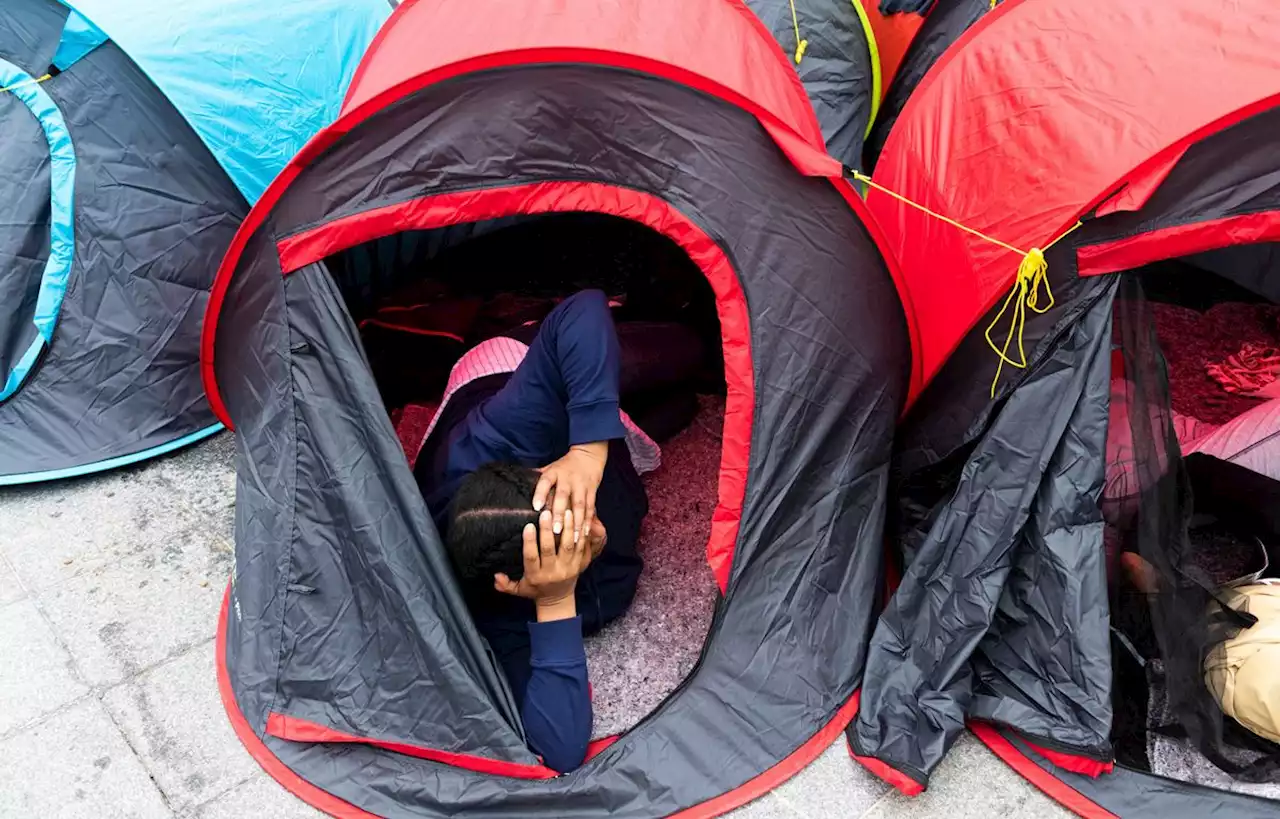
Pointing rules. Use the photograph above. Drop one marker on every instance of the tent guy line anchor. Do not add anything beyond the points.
(1033, 275)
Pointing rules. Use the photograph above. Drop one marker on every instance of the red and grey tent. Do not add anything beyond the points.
(347, 660)
(1123, 135)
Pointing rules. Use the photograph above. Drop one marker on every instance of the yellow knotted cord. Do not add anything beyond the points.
(25, 83)
(801, 43)
(993, 5)
(1033, 274)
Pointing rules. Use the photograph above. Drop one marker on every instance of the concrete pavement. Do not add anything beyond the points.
(109, 589)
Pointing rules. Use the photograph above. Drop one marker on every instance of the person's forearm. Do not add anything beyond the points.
(586, 344)
(557, 703)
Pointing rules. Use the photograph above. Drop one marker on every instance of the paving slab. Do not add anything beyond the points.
(60, 530)
(36, 674)
(121, 618)
(76, 765)
(174, 720)
(768, 806)
(833, 786)
(971, 783)
(131, 623)
(260, 796)
(11, 588)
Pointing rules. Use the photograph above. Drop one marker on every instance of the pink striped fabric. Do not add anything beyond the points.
(503, 355)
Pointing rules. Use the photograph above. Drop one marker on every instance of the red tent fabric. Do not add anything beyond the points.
(712, 46)
(1013, 133)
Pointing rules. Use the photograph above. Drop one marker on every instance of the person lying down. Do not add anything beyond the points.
(531, 472)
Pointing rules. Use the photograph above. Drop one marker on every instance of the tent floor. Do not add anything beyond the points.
(641, 658)
(1179, 759)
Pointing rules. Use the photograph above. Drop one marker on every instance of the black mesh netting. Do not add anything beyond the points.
(1171, 562)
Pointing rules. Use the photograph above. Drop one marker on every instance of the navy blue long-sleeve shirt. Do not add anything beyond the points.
(564, 392)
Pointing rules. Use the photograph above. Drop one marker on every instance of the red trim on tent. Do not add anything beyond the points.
(723, 42)
(1008, 136)
(775, 776)
(1054, 788)
(443, 209)
(903, 783)
(785, 120)
(295, 729)
(332, 805)
(296, 785)
(1074, 763)
(1180, 240)
(596, 746)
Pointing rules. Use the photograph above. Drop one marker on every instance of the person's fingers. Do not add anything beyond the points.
(546, 540)
(505, 584)
(590, 516)
(558, 504)
(585, 555)
(529, 536)
(567, 543)
(579, 509)
(545, 484)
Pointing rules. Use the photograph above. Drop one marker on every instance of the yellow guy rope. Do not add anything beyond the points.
(801, 43)
(1033, 275)
(24, 83)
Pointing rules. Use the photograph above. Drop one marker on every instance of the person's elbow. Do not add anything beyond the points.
(562, 743)
(567, 757)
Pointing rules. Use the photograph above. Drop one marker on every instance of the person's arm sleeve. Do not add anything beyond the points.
(557, 701)
(584, 342)
(569, 377)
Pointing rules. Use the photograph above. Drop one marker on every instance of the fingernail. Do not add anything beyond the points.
(557, 527)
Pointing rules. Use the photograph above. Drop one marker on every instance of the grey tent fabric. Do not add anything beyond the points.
(341, 615)
(153, 211)
(24, 235)
(1002, 612)
(835, 66)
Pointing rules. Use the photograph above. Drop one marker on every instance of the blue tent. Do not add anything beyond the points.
(137, 134)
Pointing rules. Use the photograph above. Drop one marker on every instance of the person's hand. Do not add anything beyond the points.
(575, 479)
(550, 571)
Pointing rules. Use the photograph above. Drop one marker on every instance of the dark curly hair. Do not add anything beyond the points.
(486, 518)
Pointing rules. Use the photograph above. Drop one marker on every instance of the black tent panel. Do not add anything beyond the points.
(1234, 172)
(153, 210)
(336, 552)
(835, 65)
(24, 233)
(32, 29)
(1002, 611)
